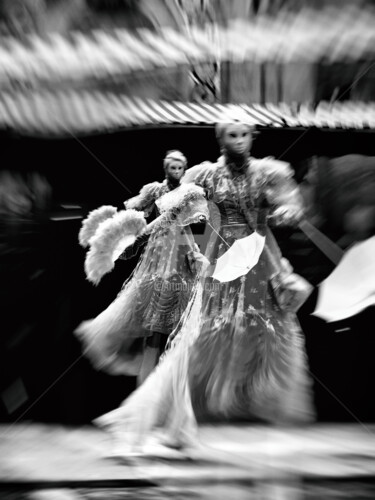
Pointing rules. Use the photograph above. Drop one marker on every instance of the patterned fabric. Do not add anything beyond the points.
(237, 353)
(249, 343)
(152, 299)
(145, 201)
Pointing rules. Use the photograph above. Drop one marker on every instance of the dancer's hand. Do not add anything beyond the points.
(199, 257)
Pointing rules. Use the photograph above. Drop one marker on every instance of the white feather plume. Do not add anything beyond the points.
(92, 221)
(176, 200)
(111, 238)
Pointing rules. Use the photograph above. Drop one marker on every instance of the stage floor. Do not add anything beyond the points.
(53, 462)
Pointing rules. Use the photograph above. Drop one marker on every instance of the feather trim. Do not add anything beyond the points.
(145, 199)
(176, 200)
(110, 239)
(92, 221)
(193, 174)
(173, 204)
(272, 171)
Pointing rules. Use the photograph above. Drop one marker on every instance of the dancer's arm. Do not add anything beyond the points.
(145, 200)
(204, 178)
(281, 192)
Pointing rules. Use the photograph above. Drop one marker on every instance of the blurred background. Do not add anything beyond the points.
(92, 94)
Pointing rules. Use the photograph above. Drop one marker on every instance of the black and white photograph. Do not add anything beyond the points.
(187, 249)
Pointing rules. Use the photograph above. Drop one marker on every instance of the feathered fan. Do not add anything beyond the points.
(111, 237)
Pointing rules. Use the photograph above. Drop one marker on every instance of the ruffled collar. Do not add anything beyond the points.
(229, 173)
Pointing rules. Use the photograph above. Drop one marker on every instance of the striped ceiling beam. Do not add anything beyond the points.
(86, 112)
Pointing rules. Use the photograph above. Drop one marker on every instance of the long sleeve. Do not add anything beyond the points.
(275, 180)
(287, 204)
(201, 175)
(146, 198)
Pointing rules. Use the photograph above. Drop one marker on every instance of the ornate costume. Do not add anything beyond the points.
(154, 297)
(238, 352)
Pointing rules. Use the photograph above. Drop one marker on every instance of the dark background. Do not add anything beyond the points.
(44, 294)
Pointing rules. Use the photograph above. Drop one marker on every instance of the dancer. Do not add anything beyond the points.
(128, 337)
(238, 352)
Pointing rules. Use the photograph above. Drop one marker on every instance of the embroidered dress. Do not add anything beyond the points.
(156, 294)
(238, 352)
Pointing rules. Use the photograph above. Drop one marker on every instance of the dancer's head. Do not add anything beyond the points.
(235, 137)
(235, 133)
(175, 164)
